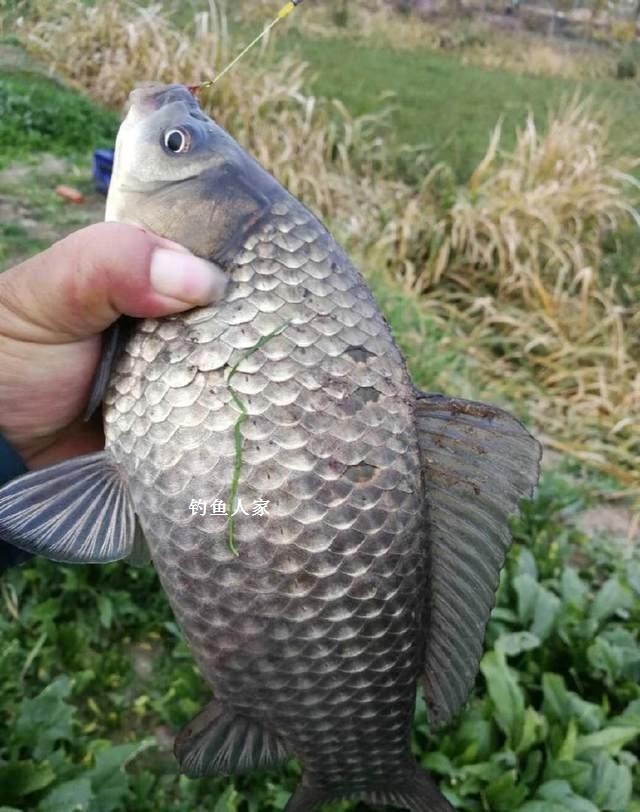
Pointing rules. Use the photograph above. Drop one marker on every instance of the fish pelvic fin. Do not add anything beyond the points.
(220, 742)
(417, 793)
(76, 512)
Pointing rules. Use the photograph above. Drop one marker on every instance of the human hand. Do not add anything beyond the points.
(53, 309)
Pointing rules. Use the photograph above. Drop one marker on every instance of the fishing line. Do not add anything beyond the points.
(284, 12)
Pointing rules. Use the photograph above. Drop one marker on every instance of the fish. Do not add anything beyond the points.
(378, 523)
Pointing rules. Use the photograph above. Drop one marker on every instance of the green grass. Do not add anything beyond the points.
(38, 114)
(15, 240)
(450, 107)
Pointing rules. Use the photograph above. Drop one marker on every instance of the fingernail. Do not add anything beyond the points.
(180, 275)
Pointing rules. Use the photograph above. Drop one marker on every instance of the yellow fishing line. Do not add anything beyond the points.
(284, 12)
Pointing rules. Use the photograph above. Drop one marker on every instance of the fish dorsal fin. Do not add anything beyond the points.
(221, 742)
(76, 512)
(478, 463)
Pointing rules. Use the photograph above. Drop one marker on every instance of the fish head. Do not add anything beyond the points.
(179, 174)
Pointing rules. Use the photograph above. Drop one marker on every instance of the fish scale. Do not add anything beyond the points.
(315, 620)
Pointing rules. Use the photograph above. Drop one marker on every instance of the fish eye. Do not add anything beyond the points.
(177, 140)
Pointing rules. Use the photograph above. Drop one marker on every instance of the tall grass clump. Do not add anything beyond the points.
(518, 256)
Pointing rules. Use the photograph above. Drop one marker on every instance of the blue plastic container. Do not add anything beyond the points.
(102, 169)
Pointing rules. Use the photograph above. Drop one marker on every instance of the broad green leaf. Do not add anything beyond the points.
(568, 750)
(611, 739)
(612, 597)
(557, 704)
(228, 801)
(438, 763)
(606, 658)
(563, 705)
(72, 796)
(105, 610)
(531, 771)
(559, 795)
(506, 695)
(533, 730)
(517, 642)
(506, 793)
(573, 589)
(546, 612)
(577, 773)
(630, 715)
(46, 719)
(109, 781)
(538, 608)
(610, 786)
(526, 564)
(474, 741)
(527, 591)
(21, 778)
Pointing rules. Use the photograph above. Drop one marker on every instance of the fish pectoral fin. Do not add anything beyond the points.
(113, 340)
(77, 512)
(139, 555)
(221, 742)
(478, 463)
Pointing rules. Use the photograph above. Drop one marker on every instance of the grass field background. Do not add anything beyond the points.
(95, 677)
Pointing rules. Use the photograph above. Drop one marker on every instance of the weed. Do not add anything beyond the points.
(518, 256)
(38, 114)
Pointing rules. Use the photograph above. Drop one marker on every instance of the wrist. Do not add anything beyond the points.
(12, 464)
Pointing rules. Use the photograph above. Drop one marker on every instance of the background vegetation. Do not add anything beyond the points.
(487, 185)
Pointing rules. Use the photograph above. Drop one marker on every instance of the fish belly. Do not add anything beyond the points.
(294, 383)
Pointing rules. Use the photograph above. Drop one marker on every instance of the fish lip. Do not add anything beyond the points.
(152, 96)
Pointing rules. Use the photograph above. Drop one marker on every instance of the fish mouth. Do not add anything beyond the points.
(152, 96)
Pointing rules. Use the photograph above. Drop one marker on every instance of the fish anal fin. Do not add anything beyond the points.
(418, 792)
(76, 512)
(478, 463)
(220, 742)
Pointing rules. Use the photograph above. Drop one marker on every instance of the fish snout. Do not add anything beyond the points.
(152, 96)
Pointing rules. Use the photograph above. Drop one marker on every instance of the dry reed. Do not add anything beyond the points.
(519, 258)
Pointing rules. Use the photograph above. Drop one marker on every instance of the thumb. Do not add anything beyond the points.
(82, 284)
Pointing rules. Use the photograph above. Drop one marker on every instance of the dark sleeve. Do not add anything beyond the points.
(11, 466)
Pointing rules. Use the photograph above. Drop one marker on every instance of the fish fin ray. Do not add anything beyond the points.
(139, 555)
(221, 742)
(417, 793)
(113, 340)
(309, 799)
(76, 512)
(478, 463)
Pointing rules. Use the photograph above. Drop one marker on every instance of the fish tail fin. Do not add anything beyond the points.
(417, 793)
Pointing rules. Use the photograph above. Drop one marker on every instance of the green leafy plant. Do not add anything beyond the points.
(96, 678)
